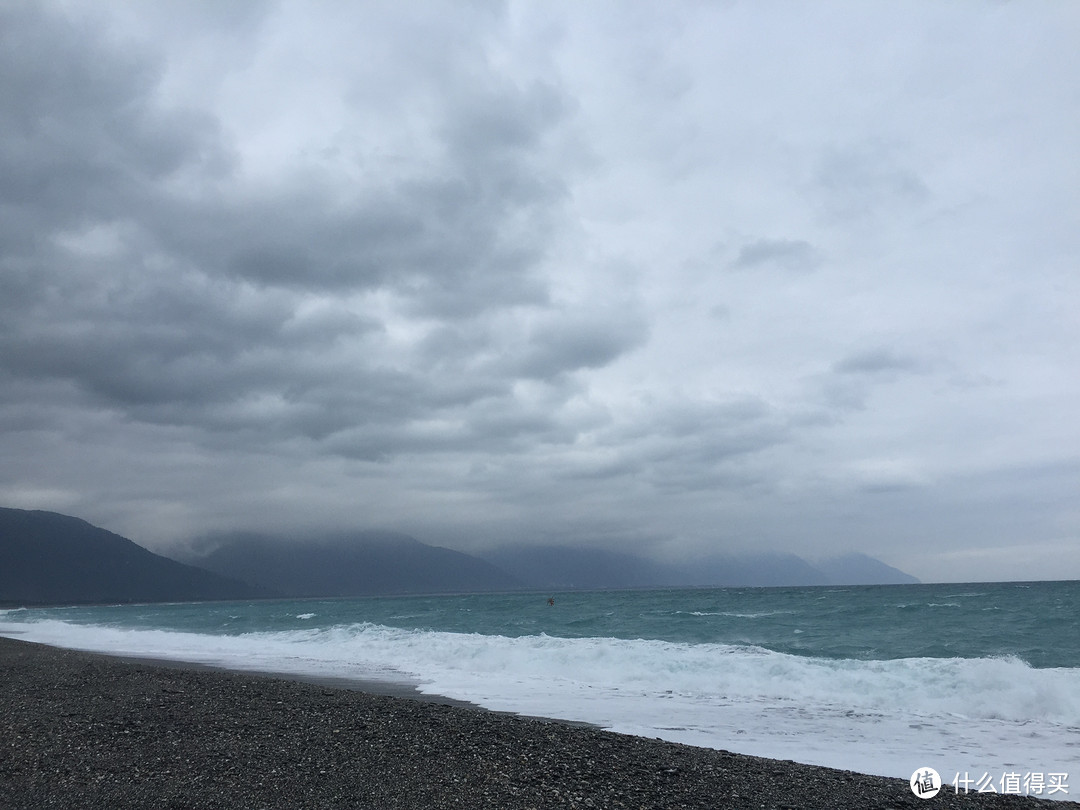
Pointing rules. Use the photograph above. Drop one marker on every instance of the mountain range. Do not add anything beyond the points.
(349, 564)
(567, 567)
(49, 558)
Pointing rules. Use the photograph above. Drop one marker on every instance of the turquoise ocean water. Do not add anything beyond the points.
(974, 678)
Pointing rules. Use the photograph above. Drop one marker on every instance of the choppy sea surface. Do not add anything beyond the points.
(977, 679)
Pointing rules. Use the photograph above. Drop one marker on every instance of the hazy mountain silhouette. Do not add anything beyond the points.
(753, 570)
(584, 568)
(49, 558)
(362, 563)
(353, 564)
(568, 567)
(859, 569)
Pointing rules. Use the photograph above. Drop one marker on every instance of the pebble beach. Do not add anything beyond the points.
(80, 730)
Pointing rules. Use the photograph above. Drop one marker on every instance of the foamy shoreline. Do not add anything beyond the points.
(85, 730)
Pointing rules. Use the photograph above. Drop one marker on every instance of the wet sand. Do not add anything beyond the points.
(79, 730)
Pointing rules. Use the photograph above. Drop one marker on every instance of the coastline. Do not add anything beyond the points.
(86, 730)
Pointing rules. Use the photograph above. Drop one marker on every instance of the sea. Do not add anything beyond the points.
(980, 682)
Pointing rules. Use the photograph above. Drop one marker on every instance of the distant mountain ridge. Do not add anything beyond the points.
(351, 564)
(49, 558)
(569, 567)
(860, 569)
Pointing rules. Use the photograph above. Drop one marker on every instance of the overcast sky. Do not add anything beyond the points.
(675, 278)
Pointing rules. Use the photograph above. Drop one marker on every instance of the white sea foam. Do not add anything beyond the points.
(887, 717)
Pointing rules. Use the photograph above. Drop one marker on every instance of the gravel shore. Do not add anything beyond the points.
(79, 730)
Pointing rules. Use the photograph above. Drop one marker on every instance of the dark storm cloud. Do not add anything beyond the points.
(453, 243)
(876, 361)
(852, 380)
(554, 344)
(788, 254)
(82, 138)
(85, 141)
(443, 241)
(867, 179)
(149, 279)
(572, 343)
(686, 447)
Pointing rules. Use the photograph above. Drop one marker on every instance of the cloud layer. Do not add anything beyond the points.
(681, 279)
